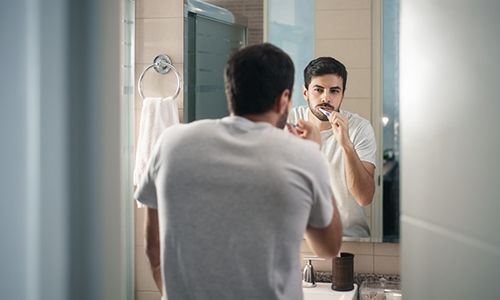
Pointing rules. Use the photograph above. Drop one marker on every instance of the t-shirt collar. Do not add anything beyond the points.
(244, 123)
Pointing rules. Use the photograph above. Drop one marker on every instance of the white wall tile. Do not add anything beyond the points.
(389, 249)
(143, 295)
(361, 106)
(159, 36)
(304, 247)
(139, 226)
(143, 276)
(323, 265)
(358, 83)
(158, 8)
(348, 24)
(363, 263)
(357, 248)
(342, 4)
(386, 264)
(353, 53)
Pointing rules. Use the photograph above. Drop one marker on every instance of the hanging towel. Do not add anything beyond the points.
(157, 114)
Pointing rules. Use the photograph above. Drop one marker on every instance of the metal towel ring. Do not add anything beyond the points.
(162, 64)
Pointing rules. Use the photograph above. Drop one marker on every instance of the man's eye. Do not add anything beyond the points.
(318, 90)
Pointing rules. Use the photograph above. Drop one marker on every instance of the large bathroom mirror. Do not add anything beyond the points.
(364, 37)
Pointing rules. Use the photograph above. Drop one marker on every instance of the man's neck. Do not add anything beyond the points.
(266, 117)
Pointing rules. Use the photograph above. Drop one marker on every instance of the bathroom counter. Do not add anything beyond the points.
(323, 291)
(358, 277)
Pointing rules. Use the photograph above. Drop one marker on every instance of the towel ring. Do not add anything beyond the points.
(162, 64)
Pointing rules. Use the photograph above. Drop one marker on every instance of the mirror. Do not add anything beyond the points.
(304, 30)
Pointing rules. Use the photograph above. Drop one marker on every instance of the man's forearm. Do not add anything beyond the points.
(360, 182)
(153, 245)
(326, 242)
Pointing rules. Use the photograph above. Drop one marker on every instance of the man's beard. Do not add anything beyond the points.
(318, 114)
(282, 120)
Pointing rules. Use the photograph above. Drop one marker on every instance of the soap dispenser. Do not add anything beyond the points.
(308, 276)
(308, 279)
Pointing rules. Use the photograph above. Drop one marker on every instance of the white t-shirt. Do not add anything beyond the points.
(234, 198)
(354, 221)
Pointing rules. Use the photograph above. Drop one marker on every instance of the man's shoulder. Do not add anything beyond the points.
(298, 112)
(188, 131)
(355, 120)
(301, 109)
(196, 125)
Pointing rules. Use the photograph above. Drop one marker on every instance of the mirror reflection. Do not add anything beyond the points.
(347, 142)
(297, 27)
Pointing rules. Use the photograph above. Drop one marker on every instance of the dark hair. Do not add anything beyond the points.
(324, 66)
(255, 76)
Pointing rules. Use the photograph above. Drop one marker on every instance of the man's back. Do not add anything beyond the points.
(234, 199)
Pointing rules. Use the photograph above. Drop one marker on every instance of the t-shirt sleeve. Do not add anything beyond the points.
(145, 192)
(365, 144)
(322, 208)
(297, 113)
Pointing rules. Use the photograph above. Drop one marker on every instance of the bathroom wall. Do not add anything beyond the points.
(379, 258)
(450, 143)
(159, 29)
(344, 31)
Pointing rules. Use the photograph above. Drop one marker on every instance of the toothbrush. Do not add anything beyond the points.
(325, 112)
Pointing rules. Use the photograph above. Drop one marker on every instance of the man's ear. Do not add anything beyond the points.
(305, 93)
(282, 101)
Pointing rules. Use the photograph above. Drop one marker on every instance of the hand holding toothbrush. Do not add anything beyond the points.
(340, 127)
(305, 130)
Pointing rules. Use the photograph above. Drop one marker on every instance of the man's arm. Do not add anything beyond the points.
(359, 176)
(153, 245)
(326, 242)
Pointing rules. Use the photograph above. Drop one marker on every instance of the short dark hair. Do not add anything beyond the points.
(324, 66)
(255, 76)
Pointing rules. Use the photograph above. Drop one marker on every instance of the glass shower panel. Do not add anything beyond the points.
(214, 41)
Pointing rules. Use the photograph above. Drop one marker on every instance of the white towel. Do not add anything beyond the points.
(157, 114)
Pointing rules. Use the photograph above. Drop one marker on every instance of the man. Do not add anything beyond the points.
(235, 195)
(348, 141)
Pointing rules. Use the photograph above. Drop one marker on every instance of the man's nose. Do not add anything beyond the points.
(326, 98)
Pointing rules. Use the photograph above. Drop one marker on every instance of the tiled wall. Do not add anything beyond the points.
(380, 258)
(343, 30)
(159, 29)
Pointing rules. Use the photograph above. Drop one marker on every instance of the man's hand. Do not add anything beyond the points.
(340, 127)
(305, 130)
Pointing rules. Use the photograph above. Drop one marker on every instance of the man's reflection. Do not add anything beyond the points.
(348, 141)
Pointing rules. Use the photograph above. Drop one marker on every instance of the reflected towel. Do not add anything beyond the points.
(157, 114)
